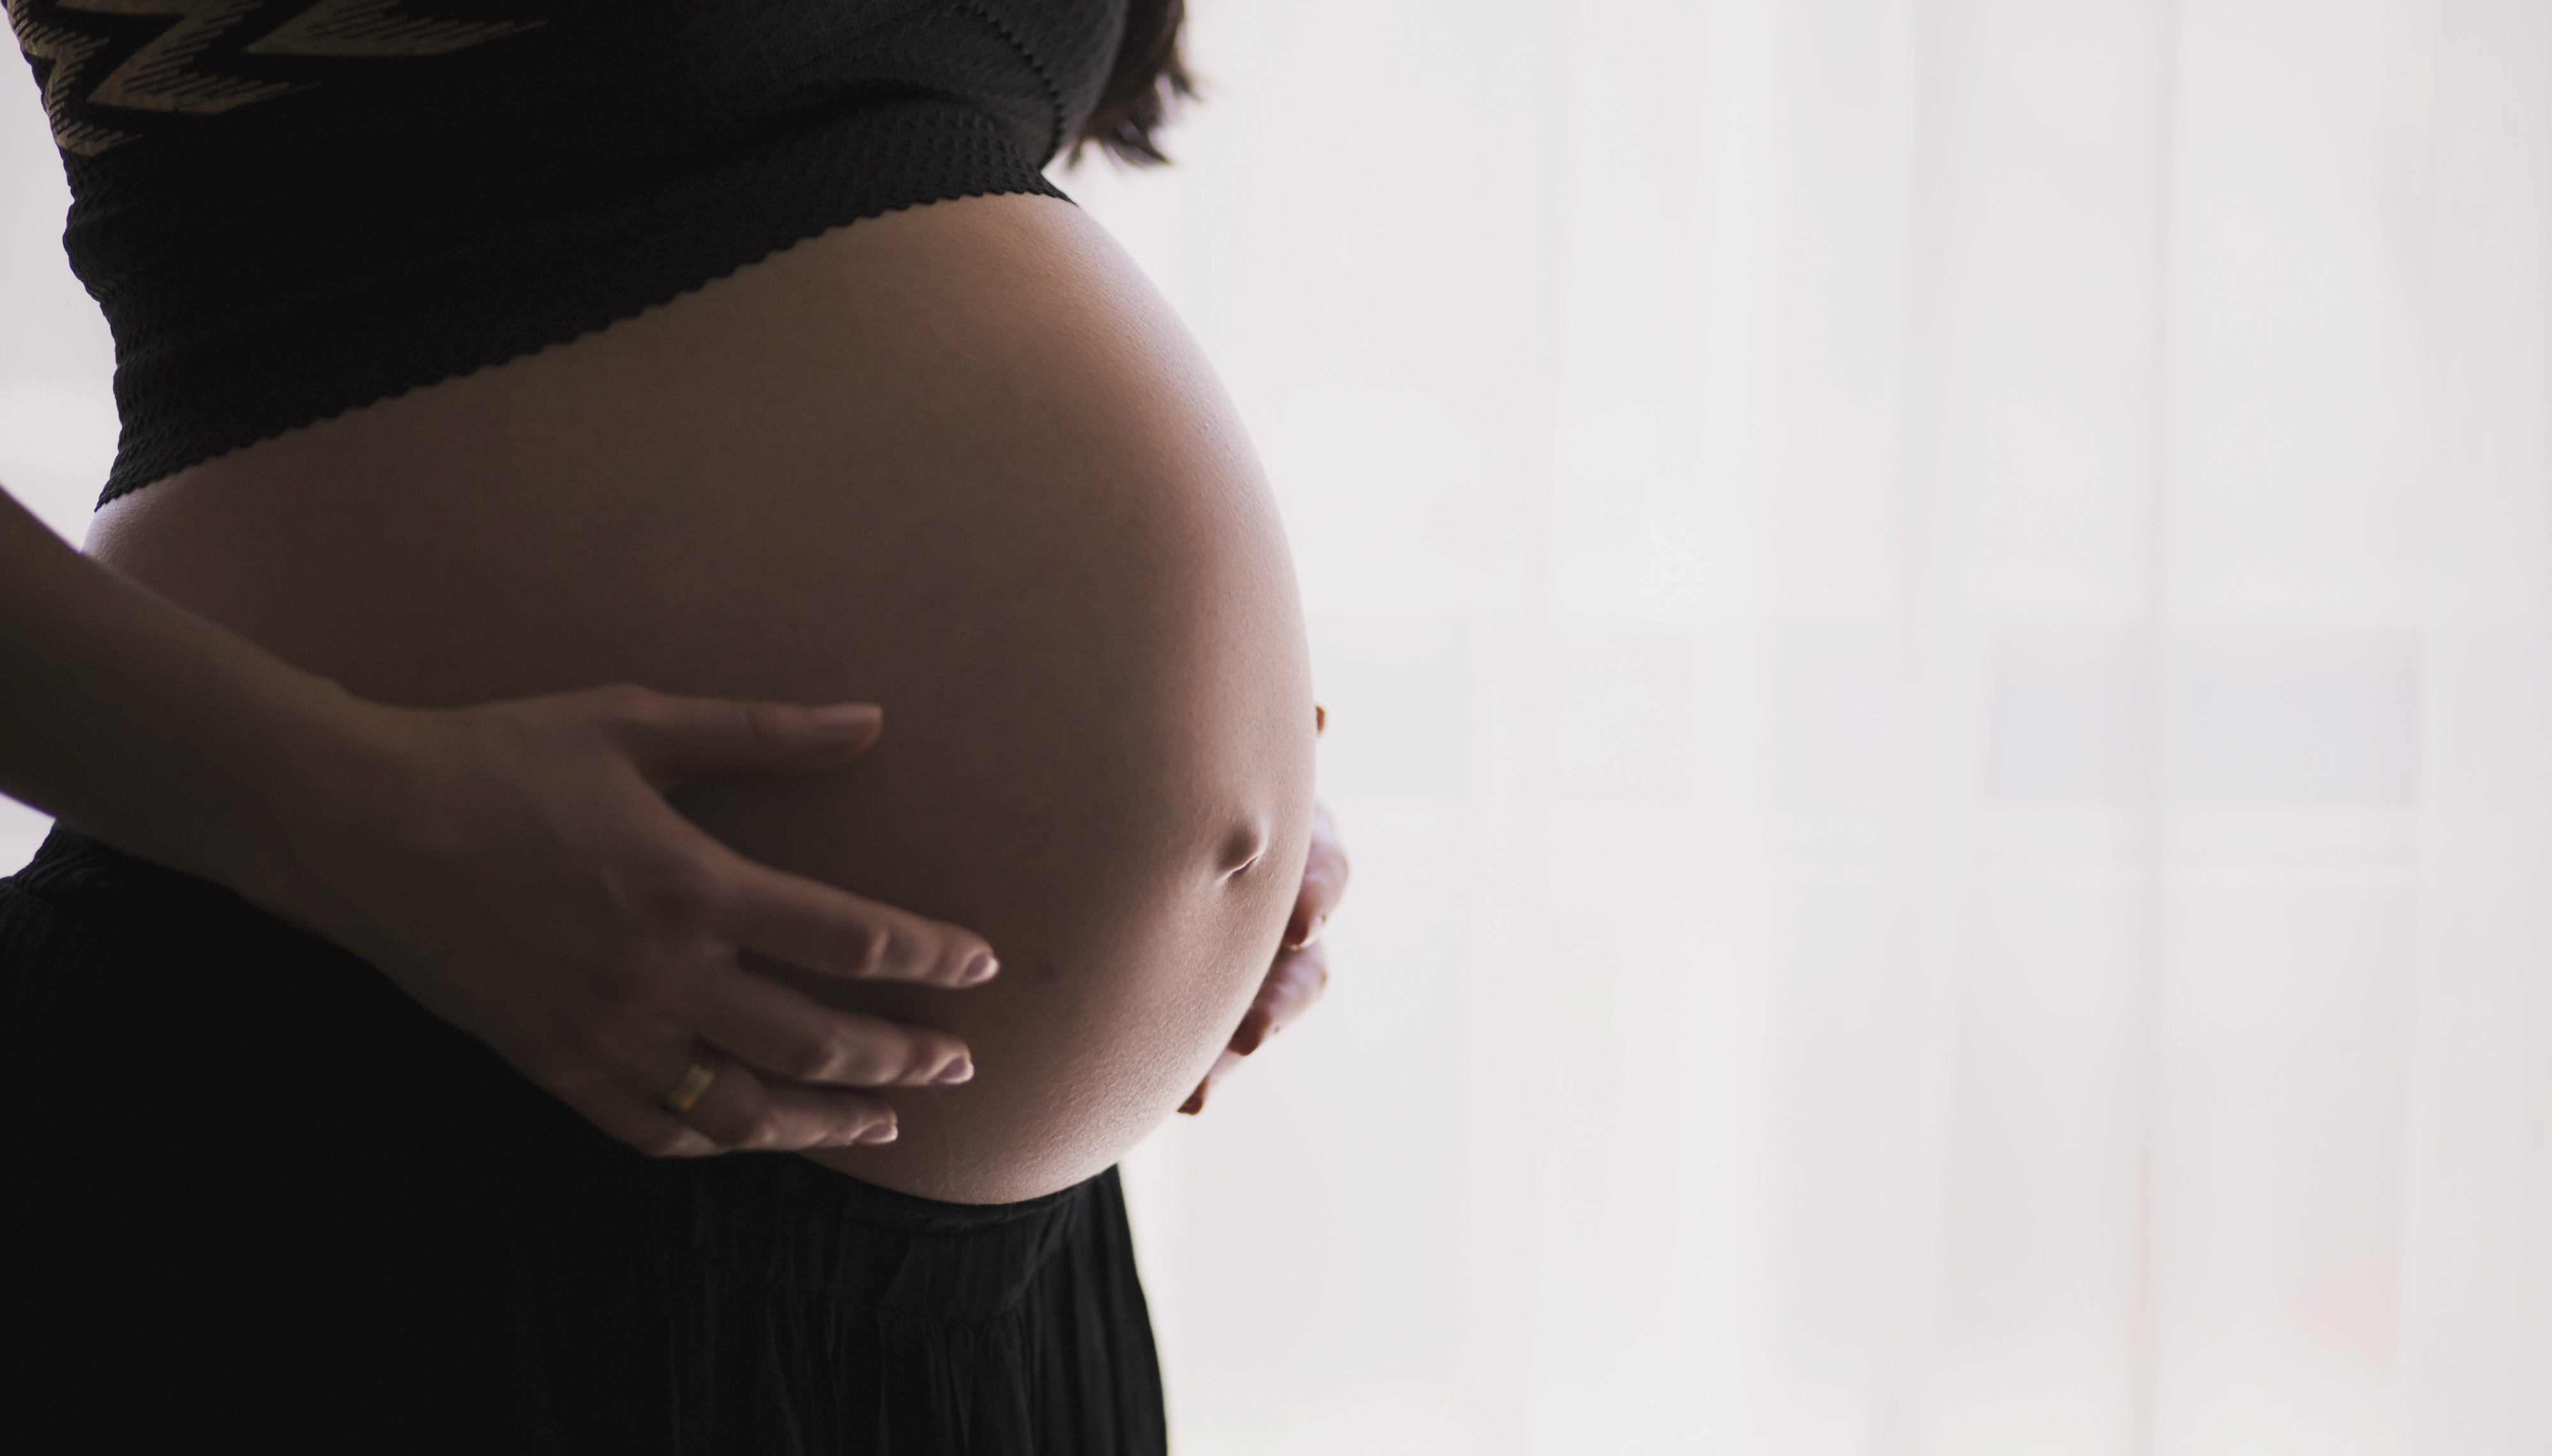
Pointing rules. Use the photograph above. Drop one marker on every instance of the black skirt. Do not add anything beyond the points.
(257, 1199)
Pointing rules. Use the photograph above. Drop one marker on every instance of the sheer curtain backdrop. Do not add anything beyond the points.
(1935, 615)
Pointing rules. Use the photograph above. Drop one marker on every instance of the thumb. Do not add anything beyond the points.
(683, 740)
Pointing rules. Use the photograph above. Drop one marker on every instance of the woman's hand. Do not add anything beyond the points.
(1302, 969)
(515, 866)
(517, 870)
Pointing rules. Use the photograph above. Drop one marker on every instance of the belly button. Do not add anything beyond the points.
(1242, 849)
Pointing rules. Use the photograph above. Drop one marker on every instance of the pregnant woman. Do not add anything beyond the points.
(479, 359)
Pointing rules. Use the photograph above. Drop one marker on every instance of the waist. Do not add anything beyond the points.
(956, 461)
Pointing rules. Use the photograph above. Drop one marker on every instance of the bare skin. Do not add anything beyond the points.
(1301, 974)
(958, 462)
(513, 865)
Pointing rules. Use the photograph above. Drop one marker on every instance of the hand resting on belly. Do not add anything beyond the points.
(959, 462)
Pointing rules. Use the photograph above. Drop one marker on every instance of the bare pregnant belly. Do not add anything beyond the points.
(958, 460)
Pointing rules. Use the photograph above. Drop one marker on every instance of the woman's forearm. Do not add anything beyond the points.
(513, 867)
(143, 723)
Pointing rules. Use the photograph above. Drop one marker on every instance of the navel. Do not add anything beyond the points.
(1243, 849)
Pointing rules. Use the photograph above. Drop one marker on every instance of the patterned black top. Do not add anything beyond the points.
(290, 208)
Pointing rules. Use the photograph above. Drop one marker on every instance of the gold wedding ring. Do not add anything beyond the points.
(686, 1094)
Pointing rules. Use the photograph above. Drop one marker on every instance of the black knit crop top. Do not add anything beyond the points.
(290, 208)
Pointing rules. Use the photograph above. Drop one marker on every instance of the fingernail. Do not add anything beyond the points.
(1195, 1102)
(980, 968)
(845, 717)
(884, 1132)
(961, 1069)
(1312, 932)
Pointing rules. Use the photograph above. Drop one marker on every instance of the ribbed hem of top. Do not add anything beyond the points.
(543, 280)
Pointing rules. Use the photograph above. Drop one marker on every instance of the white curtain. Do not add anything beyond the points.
(1935, 615)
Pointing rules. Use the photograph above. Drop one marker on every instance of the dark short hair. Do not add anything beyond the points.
(1148, 82)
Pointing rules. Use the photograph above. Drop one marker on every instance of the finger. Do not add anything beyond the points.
(680, 740)
(640, 1123)
(1292, 984)
(1223, 1062)
(780, 1031)
(1324, 882)
(806, 922)
(741, 1110)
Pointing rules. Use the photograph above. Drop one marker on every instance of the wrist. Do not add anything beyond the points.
(318, 762)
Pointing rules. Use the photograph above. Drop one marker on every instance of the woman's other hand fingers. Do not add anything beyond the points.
(1324, 882)
(1292, 986)
(1223, 1062)
(1302, 968)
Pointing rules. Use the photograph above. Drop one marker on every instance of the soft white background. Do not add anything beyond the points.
(1935, 615)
